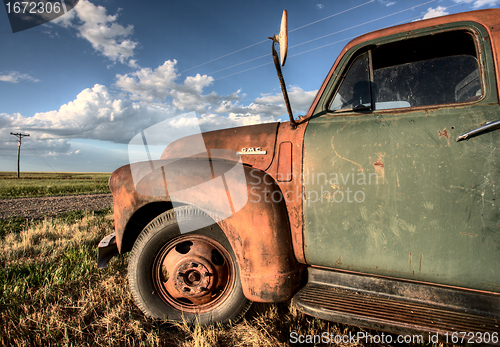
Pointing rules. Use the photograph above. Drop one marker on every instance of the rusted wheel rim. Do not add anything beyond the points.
(193, 273)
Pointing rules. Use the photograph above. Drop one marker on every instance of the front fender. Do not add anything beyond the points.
(246, 203)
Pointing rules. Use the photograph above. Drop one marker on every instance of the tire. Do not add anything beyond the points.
(192, 277)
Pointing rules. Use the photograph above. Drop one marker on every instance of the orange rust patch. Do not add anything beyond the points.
(379, 162)
(444, 133)
(468, 234)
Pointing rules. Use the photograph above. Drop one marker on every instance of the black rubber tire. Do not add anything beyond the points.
(163, 230)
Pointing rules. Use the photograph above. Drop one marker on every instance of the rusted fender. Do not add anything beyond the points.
(256, 223)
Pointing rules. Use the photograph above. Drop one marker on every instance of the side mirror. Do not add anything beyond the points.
(282, 38)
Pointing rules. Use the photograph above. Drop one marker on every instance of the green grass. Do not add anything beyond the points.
(34, 184)
(14, 225)
(52, 294)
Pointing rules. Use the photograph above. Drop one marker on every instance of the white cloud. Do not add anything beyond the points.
(387, 3)
(270, 105)
(93, 114)
(320, 6)
(435, 12)
(480, 3)
(485, 3)
(300, 99)
(16, 77)
(144, 98)
(147, 84)
(62, 155)
(96, 114)
(159, 85)
(35, 146)
(100, 29)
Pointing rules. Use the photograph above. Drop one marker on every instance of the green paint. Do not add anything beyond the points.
(392, 193)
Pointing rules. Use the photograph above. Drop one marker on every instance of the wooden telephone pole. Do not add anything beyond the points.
(20, 136)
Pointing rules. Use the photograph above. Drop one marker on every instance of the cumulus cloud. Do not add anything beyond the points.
(159, 85)
(144, 98)
(485, 3)
(300, 99)
(435, 12)
(61, 155)
(320, 6)
(35, 146)
(480, 3)
(269, 105)
(96, 114)
(475, 4)
(16, 77)
(147, 84)
(93, 114)
(102, 31)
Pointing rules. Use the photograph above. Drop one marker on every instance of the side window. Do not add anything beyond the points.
(431, 70)
(354, 92)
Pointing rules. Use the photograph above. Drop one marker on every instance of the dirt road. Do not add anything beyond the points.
(52, 205)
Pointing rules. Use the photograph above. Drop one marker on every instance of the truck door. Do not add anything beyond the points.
(388, 189)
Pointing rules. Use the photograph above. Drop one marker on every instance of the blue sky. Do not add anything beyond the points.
(83, 85)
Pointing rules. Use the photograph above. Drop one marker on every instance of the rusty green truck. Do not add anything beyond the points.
(377, 208)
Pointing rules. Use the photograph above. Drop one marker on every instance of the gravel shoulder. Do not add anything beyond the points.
(35, 208)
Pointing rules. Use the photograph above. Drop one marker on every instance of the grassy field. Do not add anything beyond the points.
(51, 294)
(33, 184)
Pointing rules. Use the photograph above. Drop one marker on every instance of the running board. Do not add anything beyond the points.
(401, 307)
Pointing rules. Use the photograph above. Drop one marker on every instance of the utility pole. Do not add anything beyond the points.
(20, 136)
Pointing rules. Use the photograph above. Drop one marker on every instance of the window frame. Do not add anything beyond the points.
(477, 32)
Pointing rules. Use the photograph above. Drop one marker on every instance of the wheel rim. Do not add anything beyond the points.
(193, 273)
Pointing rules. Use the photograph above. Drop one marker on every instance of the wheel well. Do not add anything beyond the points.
(139, 220)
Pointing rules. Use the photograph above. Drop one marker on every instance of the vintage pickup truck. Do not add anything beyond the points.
(377, 208)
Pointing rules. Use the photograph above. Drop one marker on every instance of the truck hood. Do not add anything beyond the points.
(255, 144)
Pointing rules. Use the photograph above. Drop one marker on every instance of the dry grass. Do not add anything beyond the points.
(51, 294)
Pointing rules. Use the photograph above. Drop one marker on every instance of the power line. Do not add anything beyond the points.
(368, 22)
(329, 44)
(33, 150)
(226, 55)
(255, 67)
(333, 15)
(417, 17)
(258, 43)
(355, 26)
(236, 73)
(267, 55)
(246, 61)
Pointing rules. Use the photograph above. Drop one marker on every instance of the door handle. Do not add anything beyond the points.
(490, 126)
